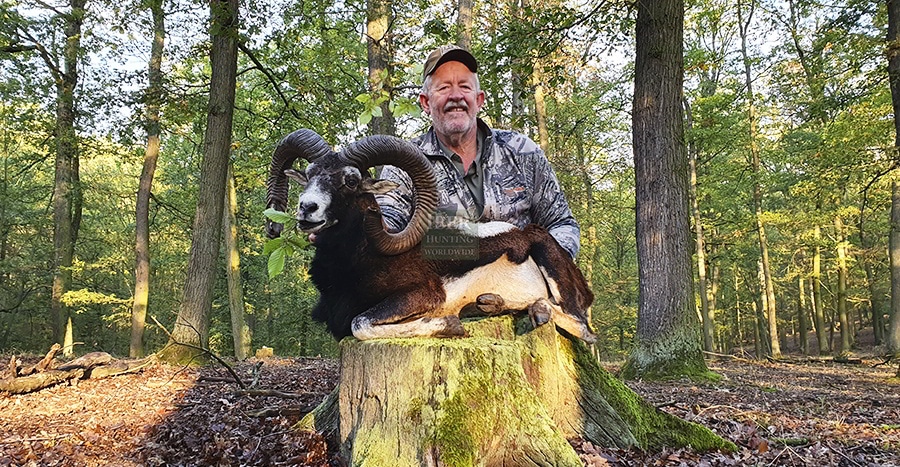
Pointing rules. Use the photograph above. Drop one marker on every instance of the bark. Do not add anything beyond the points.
(464, 24)
(893, 54)
(893, 335)
(668, 341)
(142, 209)
(706, 315)
(875, 296)
(192, 323)
(39, 366)
(379, 41)
(66, 199)
(818, 305)
(239, 329)
(802, 317)
(38, 381)
(843, 316)
(540, 107)
(508, 395)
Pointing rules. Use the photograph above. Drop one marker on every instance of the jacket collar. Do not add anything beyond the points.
(428, 142)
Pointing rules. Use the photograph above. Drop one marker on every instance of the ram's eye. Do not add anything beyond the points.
(351, 182)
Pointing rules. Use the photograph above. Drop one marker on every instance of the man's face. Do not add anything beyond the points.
(453, 100)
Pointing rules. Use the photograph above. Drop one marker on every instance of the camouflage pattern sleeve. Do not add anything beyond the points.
(550, 208)
(396, 204)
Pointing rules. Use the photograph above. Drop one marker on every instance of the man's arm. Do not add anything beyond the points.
(396, 204)
(550, 208)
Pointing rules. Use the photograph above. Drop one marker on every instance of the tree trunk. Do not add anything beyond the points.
(379, 42)
(875, 303)
(818, 306)
(768, 289)
(142, 210)
(802, 317)
(706, 315)
(893, 335)
(192, 324)
(508, 395)
(464, 24)
(667, 342)
(843, 316)
(893, 54)
(540, 106)
(66, 200)
(239, 329)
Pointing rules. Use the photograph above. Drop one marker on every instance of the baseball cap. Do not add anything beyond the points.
(446, 53)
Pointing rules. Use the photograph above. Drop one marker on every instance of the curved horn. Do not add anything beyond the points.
(303, 144)
(389, 150)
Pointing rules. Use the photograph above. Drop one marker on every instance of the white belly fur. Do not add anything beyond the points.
(519, 284)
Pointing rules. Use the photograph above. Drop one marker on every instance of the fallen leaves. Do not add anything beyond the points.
(777, 414)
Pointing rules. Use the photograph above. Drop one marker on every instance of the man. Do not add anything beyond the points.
(482, 174)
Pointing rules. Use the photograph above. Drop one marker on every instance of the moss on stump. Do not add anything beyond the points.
(506, 395)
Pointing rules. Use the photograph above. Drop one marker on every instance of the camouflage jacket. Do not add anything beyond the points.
(519, 188)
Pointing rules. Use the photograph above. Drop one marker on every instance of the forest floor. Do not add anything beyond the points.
(803, 413)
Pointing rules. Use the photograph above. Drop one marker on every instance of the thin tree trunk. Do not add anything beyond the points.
(540, 106)
(464, 24)
(192, 324)
(802, 318)
(239, 329)
(768, 288)
(818, 306)
(66, 199)
(737, 309)
(843, 317)
(668, 332)
(379, 42)
(893, 335)
(893, 54)
(875, 297)
(142, 210)
(700, 247)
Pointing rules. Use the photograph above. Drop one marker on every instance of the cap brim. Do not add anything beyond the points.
(456, 55)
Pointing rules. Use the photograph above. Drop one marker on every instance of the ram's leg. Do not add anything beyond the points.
(565, 283)
(406, 315)
(541, 311)
(486, 304)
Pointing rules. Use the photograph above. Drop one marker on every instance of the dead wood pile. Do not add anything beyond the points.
(49, 371)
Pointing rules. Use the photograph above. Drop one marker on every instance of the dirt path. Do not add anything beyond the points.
(779, 414)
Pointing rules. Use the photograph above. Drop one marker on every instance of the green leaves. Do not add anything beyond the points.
(372, 106)
(280, 249)
(278, 216)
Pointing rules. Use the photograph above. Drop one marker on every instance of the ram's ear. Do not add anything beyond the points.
(298, 177)
(376, 187)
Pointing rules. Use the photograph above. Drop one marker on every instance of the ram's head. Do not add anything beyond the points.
(332, 181)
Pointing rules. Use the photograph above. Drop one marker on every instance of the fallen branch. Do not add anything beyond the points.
(208, 352)
(44, 363)
(298, 411)
(37, 381)
(13, 367)
(272, 393)
(220, 379)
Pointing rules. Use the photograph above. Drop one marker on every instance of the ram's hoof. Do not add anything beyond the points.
(452, 327)
(490, 304)
(539, 312)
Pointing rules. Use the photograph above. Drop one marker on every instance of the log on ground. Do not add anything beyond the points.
(506, 395)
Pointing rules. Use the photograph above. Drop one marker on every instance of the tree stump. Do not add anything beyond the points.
(506, 395)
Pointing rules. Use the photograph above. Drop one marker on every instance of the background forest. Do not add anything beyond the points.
(788, 124)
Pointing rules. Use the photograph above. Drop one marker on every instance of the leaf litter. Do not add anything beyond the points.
(811, 413)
